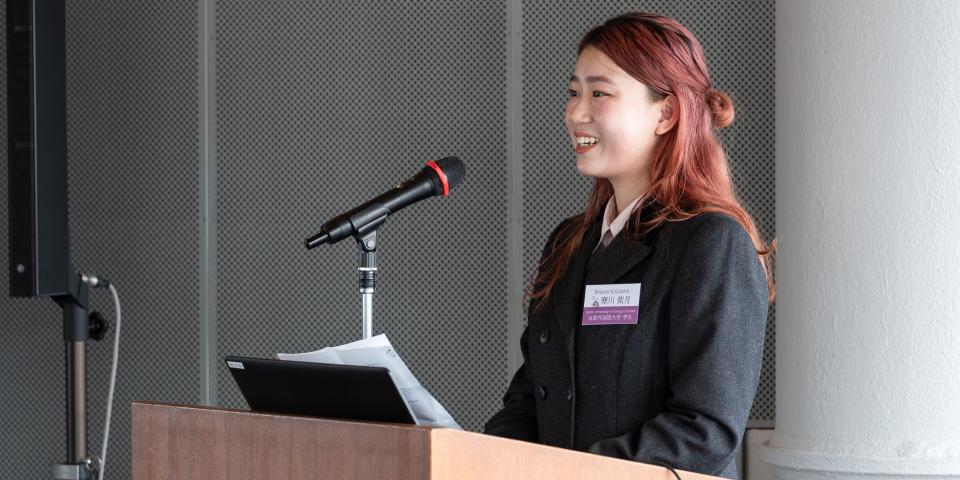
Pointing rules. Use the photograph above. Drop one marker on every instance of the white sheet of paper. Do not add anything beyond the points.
(378, 352)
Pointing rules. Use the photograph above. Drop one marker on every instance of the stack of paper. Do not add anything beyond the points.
(377, 352)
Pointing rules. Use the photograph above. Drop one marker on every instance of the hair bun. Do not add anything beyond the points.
(721, 107)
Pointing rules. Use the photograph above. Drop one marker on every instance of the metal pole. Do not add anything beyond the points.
(368, 277)
(79, 403)
(367, 314)
(76, 332)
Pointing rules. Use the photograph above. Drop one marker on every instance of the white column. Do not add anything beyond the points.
(868, 217)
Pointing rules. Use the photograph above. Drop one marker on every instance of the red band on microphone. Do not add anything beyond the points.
(443, 178)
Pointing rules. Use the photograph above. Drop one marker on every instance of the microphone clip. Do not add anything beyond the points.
(367, 264)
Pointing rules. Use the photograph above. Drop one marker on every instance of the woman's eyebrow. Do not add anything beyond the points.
(592, 78)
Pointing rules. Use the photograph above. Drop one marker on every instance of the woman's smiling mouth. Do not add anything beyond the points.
(582, 143)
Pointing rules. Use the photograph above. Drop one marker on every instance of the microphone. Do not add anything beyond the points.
(436, 178)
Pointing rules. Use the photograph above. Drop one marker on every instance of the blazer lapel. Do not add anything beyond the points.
(617, 259)
(569, 291)
(622, 254)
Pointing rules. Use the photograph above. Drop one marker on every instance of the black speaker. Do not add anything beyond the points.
(37, 144)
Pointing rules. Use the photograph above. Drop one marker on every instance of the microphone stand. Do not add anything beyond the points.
(364, 220)
(367, 270)
(366, 238)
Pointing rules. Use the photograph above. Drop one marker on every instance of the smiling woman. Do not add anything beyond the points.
(647, 315)
(657, 142)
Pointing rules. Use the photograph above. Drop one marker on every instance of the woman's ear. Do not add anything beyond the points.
(668, 114)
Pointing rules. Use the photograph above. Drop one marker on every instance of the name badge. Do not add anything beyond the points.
(616, 304)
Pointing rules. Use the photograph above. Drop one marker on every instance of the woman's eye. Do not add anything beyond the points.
(596, 93)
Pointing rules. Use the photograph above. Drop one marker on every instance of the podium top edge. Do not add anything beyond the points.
(149, 404)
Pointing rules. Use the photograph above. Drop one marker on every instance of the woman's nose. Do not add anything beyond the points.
(579, 110)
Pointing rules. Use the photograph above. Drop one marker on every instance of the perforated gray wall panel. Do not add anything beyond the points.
(132, 122)
(738, 41)
(321, 106)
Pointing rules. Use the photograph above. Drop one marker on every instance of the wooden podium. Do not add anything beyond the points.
(193, 442)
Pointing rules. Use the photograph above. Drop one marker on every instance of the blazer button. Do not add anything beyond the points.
(545, 335)
(569, 395)
(542, 391)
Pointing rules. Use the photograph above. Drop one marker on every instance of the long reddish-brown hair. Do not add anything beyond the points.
(689, 174)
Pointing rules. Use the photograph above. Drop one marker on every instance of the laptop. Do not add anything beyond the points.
(320, 389)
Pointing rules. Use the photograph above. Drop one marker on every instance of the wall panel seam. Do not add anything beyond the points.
(514, 119)
(208, 244)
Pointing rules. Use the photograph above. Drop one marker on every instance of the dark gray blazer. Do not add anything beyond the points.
(675, 388)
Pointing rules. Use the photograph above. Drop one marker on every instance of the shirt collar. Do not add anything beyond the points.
(615, 225)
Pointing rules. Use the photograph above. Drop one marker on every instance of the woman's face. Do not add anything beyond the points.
(608, 104)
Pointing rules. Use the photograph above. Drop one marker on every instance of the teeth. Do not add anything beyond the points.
(587, 140)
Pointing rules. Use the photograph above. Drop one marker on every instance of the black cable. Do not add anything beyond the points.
(664, 465)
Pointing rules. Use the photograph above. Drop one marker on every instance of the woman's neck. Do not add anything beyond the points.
(625, 192)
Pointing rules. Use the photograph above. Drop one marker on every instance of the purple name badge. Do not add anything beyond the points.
(614, 304)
